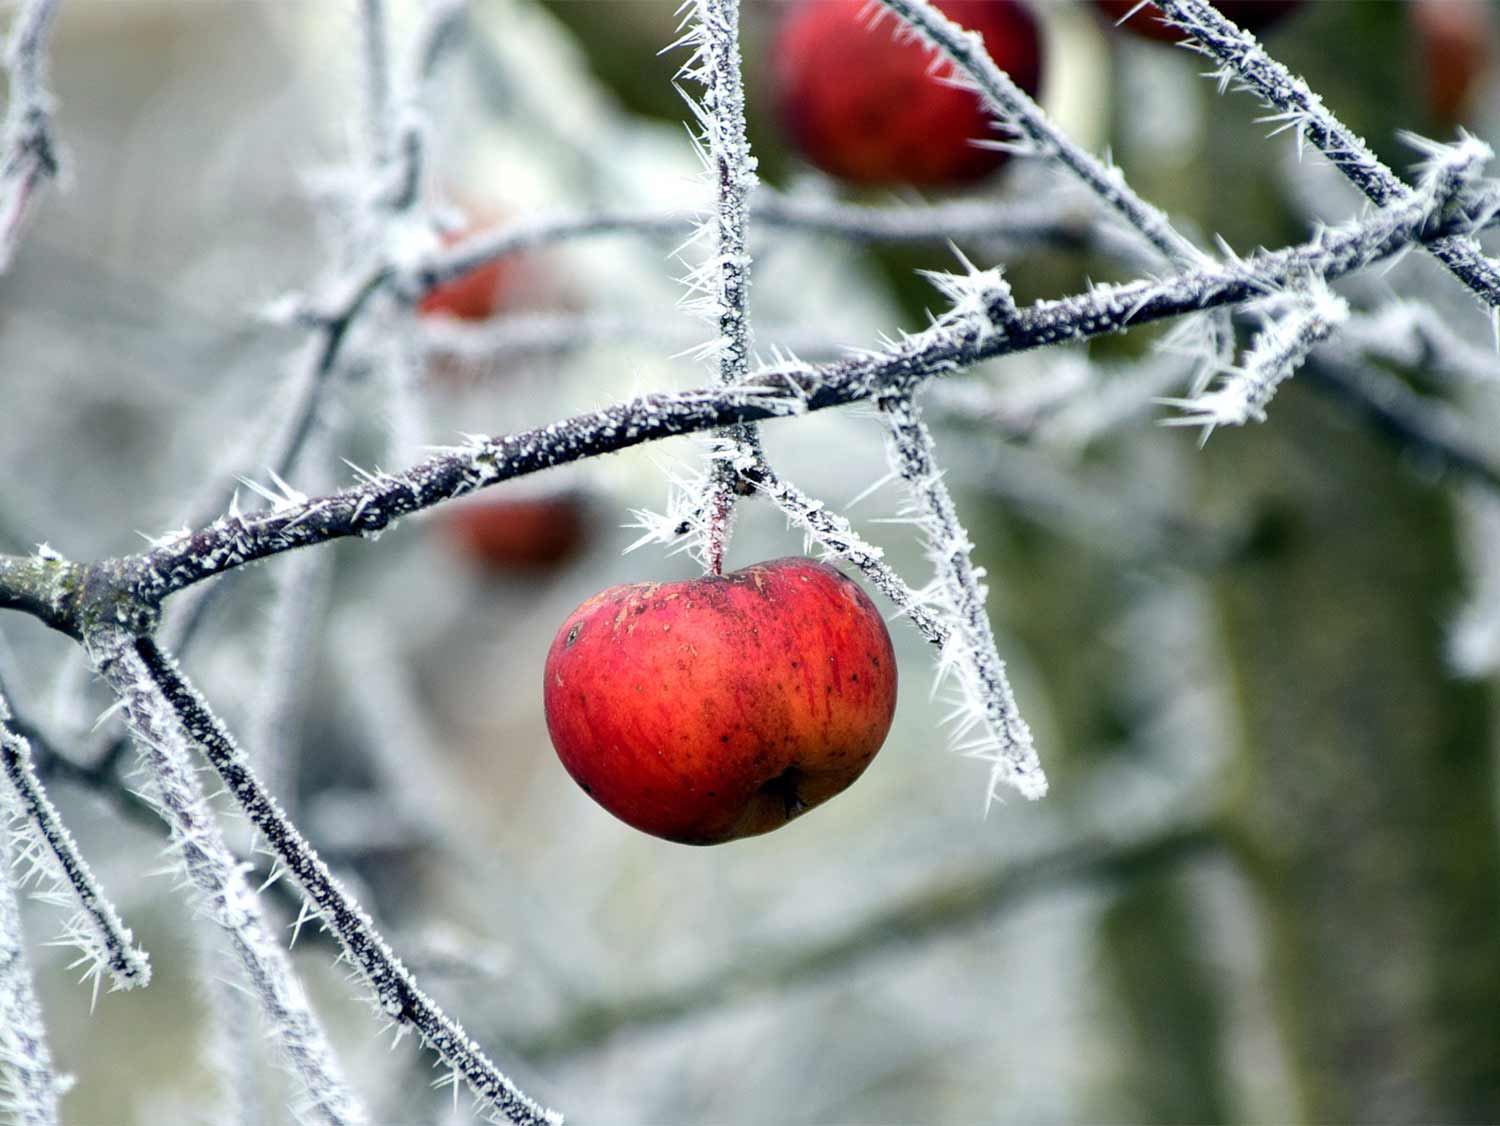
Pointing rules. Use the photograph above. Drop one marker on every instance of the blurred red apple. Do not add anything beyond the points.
(871, 110)
(1254, 16)
(721, 707)
(1454, 38)
(517, 533)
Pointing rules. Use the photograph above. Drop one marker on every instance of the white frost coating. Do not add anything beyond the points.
(28, 1087)
(719, 288)
(1246, 391)
(44, 851)
(838, 539)
(987, 722)
(226, 897)
(1244, 63)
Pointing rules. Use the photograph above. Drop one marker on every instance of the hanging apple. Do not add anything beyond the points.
(721, 707)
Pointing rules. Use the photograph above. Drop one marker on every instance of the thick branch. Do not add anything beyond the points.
(371, 506)
(1240, 55)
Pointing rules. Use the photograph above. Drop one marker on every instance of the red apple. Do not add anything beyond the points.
(721, 707)
(1254, 16)
(502, 534)
(1454, 38)
(871, 110)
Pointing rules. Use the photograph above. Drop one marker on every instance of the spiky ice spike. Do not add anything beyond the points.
(1279, 350)
(44, 852)
(987, 723)
(838, 539)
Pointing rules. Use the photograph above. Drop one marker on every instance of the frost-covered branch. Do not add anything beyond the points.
(988, 725)
(1246, 390)
(28, 151)
(162, 740)
(951, 345)
(1296, 107)
(48, 850)
(57, 591)
(1016, 111)
(28, 1087)
(155, 677)
(839, 540)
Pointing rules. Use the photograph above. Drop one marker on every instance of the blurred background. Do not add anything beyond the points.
(1266, 883)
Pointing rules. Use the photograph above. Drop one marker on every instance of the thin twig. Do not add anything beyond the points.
(50, 851)
(720, 287)
(985, 702)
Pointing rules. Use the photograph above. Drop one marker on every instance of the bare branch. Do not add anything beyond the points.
(51, 853)
(395, 990)
(161, 739)
(949, 346)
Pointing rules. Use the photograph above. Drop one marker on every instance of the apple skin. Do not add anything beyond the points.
(1453, 38)
(721, 707)
(505, 534)
(1254, 16)
(866, 108)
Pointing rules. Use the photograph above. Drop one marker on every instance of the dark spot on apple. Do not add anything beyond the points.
(785, 786)
(586, 787)
(572, 635)
(723, 738)
(855, 677)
